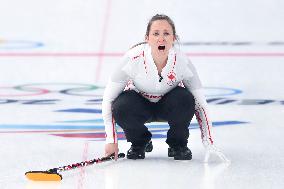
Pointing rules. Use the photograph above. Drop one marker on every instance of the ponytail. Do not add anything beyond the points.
(141, 43)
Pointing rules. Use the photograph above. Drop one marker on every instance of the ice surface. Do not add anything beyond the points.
(50, 94)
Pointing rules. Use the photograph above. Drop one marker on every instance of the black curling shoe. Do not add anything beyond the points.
(149, 147)
(180, 153)
(138, 152)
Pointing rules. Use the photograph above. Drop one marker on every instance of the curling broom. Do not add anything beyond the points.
(53, 174)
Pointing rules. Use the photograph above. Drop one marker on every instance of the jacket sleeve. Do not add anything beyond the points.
(202, 116)
(114, 87)
(193, 84)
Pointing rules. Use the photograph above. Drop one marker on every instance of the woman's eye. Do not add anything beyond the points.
(156, 34)
(166, 33)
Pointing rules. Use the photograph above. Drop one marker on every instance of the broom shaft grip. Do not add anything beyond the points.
(84, 163)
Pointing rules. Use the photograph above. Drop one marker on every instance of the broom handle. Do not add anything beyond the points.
(84, 163)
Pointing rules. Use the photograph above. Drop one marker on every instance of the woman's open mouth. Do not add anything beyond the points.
(161, 47)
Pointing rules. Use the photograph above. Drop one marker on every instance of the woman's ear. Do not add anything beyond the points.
(146, 38)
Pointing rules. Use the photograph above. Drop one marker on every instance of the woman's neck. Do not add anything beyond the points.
(159, 57)
(160, 61)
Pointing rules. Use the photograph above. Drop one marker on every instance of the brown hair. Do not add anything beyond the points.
(161, 17)
(155, 18)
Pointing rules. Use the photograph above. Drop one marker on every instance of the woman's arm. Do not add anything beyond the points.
(114, 87)
(202, 116)
(193, 84)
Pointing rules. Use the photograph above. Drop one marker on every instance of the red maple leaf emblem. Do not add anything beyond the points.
(171, 76)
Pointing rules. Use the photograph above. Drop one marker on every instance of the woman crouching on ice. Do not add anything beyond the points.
(155, 81)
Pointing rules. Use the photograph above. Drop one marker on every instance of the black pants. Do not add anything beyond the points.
(131, 111)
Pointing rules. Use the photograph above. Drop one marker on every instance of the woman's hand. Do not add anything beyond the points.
(212, 149)
(112, 148)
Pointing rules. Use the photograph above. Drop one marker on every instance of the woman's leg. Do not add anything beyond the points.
(131, 111)
(177, 107)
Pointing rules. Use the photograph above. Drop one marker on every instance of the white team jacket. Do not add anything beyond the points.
(139, 72)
